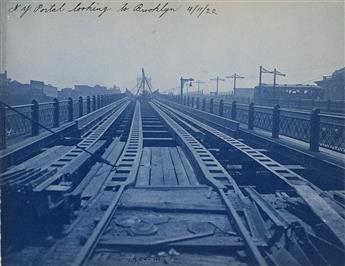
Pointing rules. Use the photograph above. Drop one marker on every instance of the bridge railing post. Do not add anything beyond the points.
(211, 105)
(80, 105)
(275, 121)
(203, 104)
(314, 141)
(93, 103)
(197, 103)
(2, 127)
(221, 107)
(70, 109)
(233, 110)
(88, 104)
(56, 113)
(35, 117)
(184, 100)
(188, 100)
(192, 102)
(98, 101)
(251, 116)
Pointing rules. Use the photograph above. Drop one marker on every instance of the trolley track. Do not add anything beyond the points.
(41, 186)
(171, 188)
(306, 190)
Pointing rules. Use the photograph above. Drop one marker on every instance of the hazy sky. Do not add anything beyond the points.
(305, 40)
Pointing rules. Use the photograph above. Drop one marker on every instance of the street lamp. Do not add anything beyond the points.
(183, 81)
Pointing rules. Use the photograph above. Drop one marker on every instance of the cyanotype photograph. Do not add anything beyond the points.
(182, 133)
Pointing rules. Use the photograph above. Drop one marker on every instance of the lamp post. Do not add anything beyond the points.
(183, 81)
(217, 79)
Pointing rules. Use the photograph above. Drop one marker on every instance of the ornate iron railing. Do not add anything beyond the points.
(75, 109)
(46, 114)
(63, 108)
(207, 105)
(52, 114)
(295, 124)
(84, 107)
(242, 113)
(319, 130)
(227, 110)
(332, 132)
(263, 117)
(15, 124)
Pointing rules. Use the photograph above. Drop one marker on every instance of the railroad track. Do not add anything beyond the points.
(43, 184)
(307, 191)
(175, 195)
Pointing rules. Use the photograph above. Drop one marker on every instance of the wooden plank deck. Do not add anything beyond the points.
(157, 177)
(143, 177)
(165, 166)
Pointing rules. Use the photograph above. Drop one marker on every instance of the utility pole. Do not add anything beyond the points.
(234, 76)
(217, 79)
(183, 81)
(263, 71)
(275, 74)
(199, 82)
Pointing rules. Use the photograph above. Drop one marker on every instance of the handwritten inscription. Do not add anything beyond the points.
(200, 10)
(160, 9)
(145, 8)
(59, 8)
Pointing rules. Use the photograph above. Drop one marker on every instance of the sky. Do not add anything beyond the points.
(303, 39)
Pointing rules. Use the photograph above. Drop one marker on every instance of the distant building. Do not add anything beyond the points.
(244, 93)
(65, 93)
(50, 90)
(36, 86)
(334, 85)
(113, 90)
(84, 90)
(4, 81)
(15, 93)
(100, 89)
(287, 91)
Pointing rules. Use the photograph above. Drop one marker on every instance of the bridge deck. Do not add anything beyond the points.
(163, 187)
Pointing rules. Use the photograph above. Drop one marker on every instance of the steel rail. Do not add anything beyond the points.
(130, 156)
(200, 155)
(64, 162)
(305, 189)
